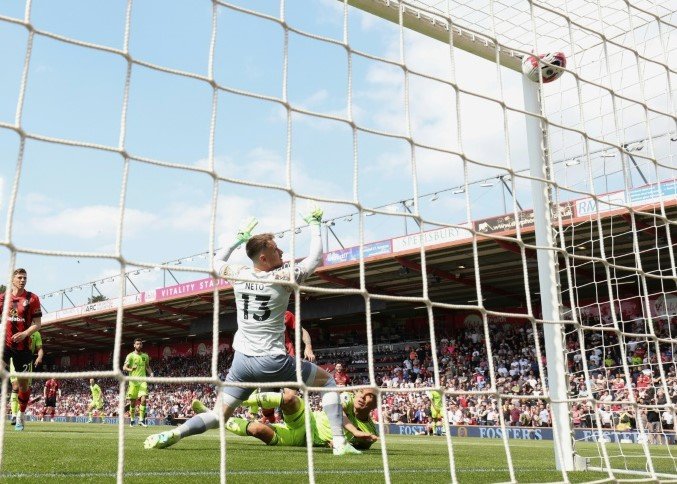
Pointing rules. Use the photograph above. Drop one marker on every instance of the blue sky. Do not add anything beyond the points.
(68, 197)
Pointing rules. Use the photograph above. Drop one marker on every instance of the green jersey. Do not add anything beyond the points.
(322, 430)
(139, 362)
(36, 342)
(96, 392)
(435, 400)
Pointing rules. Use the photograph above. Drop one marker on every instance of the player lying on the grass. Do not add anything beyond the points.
(359, 428)
(260, 354)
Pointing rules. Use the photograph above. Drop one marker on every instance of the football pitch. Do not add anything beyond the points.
(56, 452)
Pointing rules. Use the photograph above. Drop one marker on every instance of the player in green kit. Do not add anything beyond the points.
(436, 416)
(35, 347)
(359, 428)
(96, 405)
(137, 363)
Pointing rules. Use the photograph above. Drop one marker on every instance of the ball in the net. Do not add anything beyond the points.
(551, 66)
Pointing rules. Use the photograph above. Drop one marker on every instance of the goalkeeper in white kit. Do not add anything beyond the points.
(260, 353)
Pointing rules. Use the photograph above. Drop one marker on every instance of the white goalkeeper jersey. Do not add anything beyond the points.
(260, 308)
(261, 304)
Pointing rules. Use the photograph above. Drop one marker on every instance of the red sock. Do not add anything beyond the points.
(24, 396)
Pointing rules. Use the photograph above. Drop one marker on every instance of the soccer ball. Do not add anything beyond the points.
(549, 72)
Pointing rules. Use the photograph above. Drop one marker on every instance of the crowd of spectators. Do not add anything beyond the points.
(171, 400)
(604, 397)
(464, 368)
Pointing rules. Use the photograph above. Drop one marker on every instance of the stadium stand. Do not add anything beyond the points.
(465, 368)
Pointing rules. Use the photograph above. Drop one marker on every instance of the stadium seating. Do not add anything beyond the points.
(463, 363)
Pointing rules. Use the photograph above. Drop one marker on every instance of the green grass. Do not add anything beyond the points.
(55, 453)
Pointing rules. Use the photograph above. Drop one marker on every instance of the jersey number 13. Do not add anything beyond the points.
(264, 300)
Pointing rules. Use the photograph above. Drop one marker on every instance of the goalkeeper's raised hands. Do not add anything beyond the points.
(314, 215)
(244, 233)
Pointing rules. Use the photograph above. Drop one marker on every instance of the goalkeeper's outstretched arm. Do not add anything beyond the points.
(219, 262)
(306, 267)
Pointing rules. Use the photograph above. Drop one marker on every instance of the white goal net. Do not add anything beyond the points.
(524, 230)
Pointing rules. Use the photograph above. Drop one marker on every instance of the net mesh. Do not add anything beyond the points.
(608, 125)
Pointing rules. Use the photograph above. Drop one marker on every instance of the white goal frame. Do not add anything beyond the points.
(443, 28)
(482, 34)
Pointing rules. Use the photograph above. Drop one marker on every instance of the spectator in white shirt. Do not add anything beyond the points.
(544, 417)
(605, 416)
(668, 420)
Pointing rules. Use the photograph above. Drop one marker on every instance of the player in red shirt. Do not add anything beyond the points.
(289, 338)
(52, 389)
(24, 317)
(340, 376)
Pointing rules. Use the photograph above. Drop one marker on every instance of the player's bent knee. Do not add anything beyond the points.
(228, 405)
(289, 396)
(262, 432)
(291, 403)
(323, 379)
(256, 429)
(330, 381)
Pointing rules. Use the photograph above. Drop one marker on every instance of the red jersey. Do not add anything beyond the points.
(51, 388)
(342, 379)
(289, 333)
(643, 381)
(22, 310)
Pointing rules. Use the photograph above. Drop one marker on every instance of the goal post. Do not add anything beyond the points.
(444, 29)
(439, 27)
(554, 312)
(548, 282)
(603, 35)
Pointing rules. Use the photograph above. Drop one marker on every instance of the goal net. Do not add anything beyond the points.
(519, 233)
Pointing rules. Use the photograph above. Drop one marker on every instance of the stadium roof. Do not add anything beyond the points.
(393, 268)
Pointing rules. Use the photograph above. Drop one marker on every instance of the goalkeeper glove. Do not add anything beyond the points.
(315, 216)
(245, 231)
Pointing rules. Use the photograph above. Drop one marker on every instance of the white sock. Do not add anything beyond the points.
(332, 407)
(338, 441)
(198, 424)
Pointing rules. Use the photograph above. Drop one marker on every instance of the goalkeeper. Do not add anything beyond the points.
(359, 428)
(260, 353)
